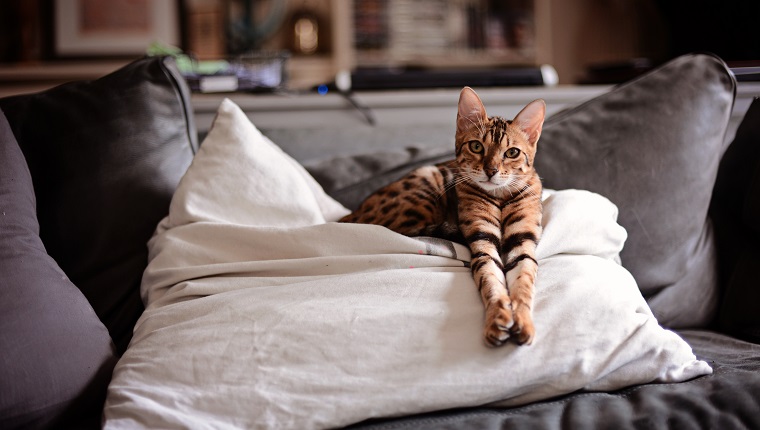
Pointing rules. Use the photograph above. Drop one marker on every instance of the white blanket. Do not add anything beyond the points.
(261, 317)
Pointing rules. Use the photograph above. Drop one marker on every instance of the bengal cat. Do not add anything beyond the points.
(489, 196)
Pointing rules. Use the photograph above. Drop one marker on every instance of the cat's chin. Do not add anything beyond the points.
(491, 187)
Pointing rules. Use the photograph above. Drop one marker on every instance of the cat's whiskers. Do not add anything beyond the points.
(458, 179)
(521, 185)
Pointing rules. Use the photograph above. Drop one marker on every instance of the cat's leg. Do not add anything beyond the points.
(479, 226)
(445, 230)
(520, 235)
(488, 273)
(521, 282)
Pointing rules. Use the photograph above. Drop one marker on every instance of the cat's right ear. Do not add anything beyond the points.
(471, 112)
(531, 120)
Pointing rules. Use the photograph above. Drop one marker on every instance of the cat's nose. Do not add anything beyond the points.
(490, 171)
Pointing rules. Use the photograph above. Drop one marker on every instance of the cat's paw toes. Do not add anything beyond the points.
(523, 331)
(496, 336)
(499, 322)
(523, 335)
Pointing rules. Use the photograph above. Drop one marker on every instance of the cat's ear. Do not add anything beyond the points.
(471, 112)
(531, 120)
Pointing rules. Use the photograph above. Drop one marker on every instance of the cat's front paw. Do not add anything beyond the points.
(499, 322)
(522, 330)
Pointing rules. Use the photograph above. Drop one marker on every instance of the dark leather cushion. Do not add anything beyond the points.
(652, 146)
(736, 211)
(105, 157)
(56, 355)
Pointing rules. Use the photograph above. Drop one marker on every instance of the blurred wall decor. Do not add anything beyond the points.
(114, 27)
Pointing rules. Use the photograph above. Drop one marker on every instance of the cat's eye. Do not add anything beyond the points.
(476, 146)
(512, 153)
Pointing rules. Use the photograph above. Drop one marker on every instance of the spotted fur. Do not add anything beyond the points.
(489, 198)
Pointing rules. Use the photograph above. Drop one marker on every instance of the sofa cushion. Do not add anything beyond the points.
(736, 210)
(652, 146)
(105, 157)
(57, 356)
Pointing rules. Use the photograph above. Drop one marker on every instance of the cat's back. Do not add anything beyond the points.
(410, 204)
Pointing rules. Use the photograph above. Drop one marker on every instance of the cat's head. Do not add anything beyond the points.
(493, 152)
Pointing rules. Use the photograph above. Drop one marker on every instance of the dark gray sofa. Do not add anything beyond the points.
(88, 169)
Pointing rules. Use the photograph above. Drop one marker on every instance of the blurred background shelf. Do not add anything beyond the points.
(586, 41)
(32, 77)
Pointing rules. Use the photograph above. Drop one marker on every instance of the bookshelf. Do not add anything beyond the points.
(429, 34)
(444, 33)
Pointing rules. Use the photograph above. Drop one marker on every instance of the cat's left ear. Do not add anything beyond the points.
(531, 120)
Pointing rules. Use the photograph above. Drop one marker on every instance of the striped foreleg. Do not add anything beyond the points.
(488, 273)
(518, 253)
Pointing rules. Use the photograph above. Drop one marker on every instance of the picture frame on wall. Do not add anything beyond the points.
(114, 28)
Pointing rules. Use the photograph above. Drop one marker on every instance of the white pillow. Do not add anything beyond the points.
(259, 314)
(237, 161)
